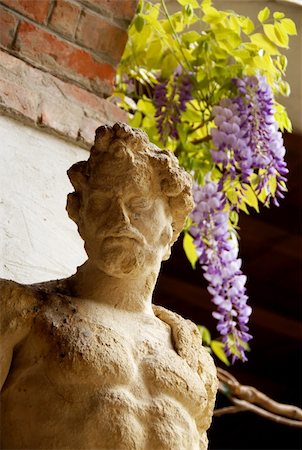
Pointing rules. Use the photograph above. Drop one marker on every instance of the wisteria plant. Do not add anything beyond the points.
(203, 83)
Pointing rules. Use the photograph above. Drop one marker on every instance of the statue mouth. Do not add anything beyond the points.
(123, 236)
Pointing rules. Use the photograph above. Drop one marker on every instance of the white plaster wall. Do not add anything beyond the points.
(37, 239)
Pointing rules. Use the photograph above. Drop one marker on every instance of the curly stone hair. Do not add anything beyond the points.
(120, 147)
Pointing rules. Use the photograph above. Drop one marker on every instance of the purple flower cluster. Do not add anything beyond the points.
(130, 84)
(247, 139)
(217, 252)
(170, 99)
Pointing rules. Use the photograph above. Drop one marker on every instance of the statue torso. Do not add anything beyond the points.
(93, 377)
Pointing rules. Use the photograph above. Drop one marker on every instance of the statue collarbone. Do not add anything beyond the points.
(90, 352)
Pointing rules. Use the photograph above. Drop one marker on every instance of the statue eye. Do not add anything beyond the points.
(140, 204)
(98, 205)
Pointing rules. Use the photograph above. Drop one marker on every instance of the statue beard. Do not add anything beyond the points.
(123, 257)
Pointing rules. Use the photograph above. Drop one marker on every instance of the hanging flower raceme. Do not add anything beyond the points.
(247, 139)
(170, 99)
(217, 251)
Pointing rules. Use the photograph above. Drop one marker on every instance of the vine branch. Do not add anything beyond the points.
(248, 398)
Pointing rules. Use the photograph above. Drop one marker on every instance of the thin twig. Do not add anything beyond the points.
(228, 410)
(201, 140)
(225, 376)
(252, 395)
(268, 415)
(245, 398)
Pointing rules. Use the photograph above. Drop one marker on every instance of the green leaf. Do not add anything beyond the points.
(272, 185)
(281, 63)
(262, 196)
(188, 10)
(242, 207)
(168, 65)
(191, 115)
(234, 218)
(154, 53)
(229, 37)
(205, 335)
(217, 348)
(281, 34)
(278, 15)
(192, 3)
(247, 25)
(146, 106)
(287, 124)
(234, 23)
(284, 88)
(264, 43)
(136, 119)
(182, 133)
(289, 26)
(241, 54)
(250, 197)
(274, 35)
(264, 14)
(190, 37)
(139, 23)
(148, 122)
(205, 4)
(265, 65)
(190, 249)
(282, 117)
(212, 15)
(177, 21)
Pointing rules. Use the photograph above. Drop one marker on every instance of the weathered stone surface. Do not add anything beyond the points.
(88, 363)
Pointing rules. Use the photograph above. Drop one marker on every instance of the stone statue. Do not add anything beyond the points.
(87, 362)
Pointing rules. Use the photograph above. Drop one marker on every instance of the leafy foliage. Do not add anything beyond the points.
(177, 68)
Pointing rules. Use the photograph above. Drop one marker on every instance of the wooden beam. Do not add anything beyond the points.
(261, 317)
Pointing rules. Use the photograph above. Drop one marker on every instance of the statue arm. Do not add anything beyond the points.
(16, 312)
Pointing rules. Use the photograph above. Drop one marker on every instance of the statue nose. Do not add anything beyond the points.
(119, 212)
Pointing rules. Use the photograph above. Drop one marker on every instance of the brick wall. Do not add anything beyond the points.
(58, 60)
(77, 41)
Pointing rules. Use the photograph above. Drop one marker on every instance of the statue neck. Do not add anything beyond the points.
(131, 293)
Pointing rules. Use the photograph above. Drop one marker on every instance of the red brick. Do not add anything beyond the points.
(16, 98)
(87, 128)
(82, 97)
(60, 119)
(35, 9)
(114, 113)
(118, 9)
(65, 17)
(90, 101)
(38, 97)
(96, 33)
(63, 58)
(8, 24)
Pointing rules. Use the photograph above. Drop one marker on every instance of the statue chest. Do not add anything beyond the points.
(105, 378)
(84, 352)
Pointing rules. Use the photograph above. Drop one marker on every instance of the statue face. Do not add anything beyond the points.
(126, 224)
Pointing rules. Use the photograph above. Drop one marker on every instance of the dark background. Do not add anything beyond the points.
(271, 248)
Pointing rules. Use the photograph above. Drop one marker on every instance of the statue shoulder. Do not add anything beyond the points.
(187, 340)
(17, 304)
(188, 344)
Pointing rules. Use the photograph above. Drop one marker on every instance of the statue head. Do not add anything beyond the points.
(130, 202)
